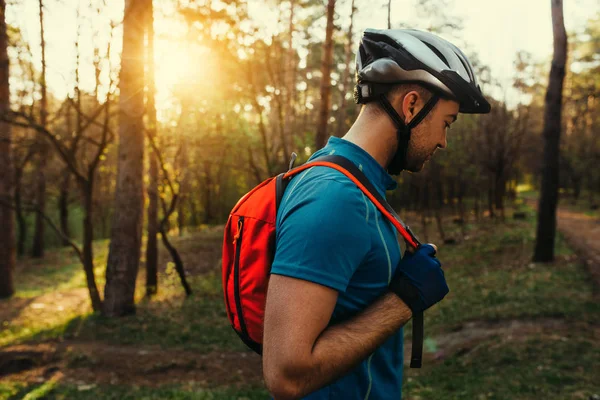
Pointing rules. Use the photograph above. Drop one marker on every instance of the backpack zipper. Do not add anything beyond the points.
(236, 275)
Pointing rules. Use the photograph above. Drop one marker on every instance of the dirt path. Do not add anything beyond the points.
(583, 235)
(84, 363)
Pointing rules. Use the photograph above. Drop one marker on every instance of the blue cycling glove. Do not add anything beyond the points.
(419, 279)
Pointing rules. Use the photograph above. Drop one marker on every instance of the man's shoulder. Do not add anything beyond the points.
(323, 185)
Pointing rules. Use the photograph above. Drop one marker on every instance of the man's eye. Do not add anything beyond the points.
(447, 125)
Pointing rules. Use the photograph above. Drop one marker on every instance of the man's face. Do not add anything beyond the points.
(430, 134)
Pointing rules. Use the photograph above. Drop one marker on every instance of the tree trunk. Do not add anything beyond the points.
(326, 64)
(126, 232)
(389, 14)
(151, 245)
(193, 212)
(208, 215)
(576, 188)
(177, 260)
(63, 207)
(184, 186)
(21, 222)
(491, 199)
(7, 233)
(546, 226)
(37, 249)
(500, 192)
(181, 216)
(290, 87)
(341, 122)
(88, 240)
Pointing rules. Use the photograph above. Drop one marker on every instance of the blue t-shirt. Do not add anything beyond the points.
(328, 232)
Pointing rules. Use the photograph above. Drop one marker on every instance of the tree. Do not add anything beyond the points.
(37, 249)
(152, 227)
(126, 231)
(341, 123)
(7, 233)
(82, 151)
(172, 186)
(326, 64)
(546, 226)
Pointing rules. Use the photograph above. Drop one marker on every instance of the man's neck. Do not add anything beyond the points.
(377, 136)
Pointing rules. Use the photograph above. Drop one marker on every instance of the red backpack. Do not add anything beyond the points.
(249, 248)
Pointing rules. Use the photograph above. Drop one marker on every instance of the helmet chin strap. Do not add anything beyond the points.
(398, 163)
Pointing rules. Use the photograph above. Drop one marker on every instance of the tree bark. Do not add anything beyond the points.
(184, 186)
(21, 222)
(63, 206)
(546, 226)
(193, 212)
(290, 86)
(7, 233)
(37, 249)
(341, 120)
(177, 260)
(326, 64)
(500, 191)
(151, 246)
(126, 232)
(88, 240)
(208, 214)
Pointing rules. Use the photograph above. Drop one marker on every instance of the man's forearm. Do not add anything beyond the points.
(342, 346)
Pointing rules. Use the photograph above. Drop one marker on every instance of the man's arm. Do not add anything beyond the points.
(301, 354)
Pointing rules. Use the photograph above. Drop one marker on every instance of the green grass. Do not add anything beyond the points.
(567, 202)
(491, 277)
(13, 390)
(60, 270)
(197, 323)
(550, 366)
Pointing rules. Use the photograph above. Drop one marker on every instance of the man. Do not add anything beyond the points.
(339, 293)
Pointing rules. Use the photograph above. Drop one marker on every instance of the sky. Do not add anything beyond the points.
(495, 30)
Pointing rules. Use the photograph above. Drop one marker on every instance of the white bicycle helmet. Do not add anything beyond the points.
(395, 56)
(392, 56)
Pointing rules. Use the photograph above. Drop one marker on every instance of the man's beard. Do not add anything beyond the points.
(416, 158)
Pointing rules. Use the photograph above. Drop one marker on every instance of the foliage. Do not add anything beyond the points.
(10, 390)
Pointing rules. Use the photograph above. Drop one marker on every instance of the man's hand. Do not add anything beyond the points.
(419, 279)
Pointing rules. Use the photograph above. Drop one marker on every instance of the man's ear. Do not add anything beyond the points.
(410, 105)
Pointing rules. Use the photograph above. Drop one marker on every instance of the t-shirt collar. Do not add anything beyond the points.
(368, 165)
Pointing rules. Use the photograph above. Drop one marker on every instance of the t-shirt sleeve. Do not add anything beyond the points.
(322, 233)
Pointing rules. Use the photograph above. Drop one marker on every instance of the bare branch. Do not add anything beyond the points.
(60, 233)
(31, 123)
(161, 162)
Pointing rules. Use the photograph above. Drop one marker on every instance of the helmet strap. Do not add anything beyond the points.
(398, 163)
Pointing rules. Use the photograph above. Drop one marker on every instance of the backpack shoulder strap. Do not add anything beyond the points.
(349, 169)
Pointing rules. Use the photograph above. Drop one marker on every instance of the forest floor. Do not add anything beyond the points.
(509, 329)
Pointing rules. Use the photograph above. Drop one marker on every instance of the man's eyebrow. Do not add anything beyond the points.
(453, 117)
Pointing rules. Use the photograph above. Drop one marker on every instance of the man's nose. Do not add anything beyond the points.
(443, 144)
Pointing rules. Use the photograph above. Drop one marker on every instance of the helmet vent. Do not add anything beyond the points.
(471, 76)
(437, 53)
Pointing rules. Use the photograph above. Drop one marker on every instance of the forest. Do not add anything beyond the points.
(129, 129)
